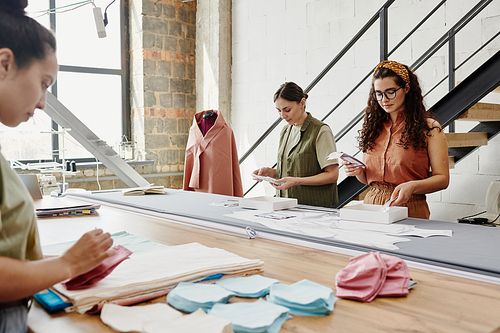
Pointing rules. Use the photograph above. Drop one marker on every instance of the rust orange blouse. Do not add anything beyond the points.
(389, 163)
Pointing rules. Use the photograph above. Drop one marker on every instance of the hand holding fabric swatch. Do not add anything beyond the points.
(90, 278)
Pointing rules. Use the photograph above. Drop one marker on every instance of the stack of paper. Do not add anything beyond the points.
(67, 210)
(304, 298)
(160, 269)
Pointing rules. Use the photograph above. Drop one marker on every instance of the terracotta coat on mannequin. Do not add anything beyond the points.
(211, 163)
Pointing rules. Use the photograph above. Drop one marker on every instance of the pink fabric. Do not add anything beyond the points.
(90, 278)
(372, 274)
(398, 277)
(211, 164)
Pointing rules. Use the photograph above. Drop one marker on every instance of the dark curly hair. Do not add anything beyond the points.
(416, 127)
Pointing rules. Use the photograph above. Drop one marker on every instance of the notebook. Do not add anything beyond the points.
(144, 190)
(31, 183)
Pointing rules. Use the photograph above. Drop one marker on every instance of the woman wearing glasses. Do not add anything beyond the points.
(303, 170)
(401, 142)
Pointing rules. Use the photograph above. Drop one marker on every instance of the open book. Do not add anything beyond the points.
(144, 190)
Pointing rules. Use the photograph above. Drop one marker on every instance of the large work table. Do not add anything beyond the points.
(439, 303)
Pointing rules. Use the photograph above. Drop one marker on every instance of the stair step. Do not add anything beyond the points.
(496, 90)
(482, 112)
(473, 139)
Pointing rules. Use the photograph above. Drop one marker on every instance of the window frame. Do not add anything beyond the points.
(124, 73)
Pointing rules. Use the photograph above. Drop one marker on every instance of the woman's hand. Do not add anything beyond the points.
(88, 252)
(352, 170)
(16, 276)
(403, 193)
(285, 183)
(266, 172)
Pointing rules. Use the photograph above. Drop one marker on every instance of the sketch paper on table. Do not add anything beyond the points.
(328, 225)
(227, 203)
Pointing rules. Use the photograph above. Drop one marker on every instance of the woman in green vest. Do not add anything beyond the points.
(303, 171)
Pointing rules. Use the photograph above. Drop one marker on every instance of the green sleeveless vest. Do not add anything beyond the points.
(303, 162)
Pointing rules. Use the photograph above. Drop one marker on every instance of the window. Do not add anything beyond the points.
(89, 81)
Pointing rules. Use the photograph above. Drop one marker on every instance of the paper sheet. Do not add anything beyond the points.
(328, 225)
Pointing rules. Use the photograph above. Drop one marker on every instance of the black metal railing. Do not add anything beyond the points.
(381, 15)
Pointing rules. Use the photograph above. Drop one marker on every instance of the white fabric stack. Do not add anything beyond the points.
(160, 318)
(158, 270)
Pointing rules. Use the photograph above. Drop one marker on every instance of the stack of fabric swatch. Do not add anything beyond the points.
(304, 298)
(166, 267)
(189, 297)
(373, 274)
(254, 286)
(259, 316)
(256, 317)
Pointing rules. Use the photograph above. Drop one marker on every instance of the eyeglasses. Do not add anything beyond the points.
(391, 94)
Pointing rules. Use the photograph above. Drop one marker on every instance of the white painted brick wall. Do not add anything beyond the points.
(293, 40)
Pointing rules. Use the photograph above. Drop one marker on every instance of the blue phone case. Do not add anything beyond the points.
(50, 300)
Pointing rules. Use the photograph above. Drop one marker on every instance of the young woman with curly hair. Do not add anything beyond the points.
(404, 147)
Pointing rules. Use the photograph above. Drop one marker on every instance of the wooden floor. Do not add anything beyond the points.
(439, 303)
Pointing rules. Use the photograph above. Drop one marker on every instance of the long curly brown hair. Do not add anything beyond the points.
(416, 127)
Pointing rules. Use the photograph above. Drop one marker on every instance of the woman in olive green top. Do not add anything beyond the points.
(303, 171)
(28, 66)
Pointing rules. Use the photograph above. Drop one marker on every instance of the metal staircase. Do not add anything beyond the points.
(458, 104)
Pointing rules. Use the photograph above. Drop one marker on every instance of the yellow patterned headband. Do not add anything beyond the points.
(396, 67)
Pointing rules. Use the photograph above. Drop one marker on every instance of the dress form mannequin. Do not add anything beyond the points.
(208, 121)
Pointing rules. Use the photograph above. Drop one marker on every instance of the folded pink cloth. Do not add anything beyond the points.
(372, 274)
(397, 279)
(90, 278)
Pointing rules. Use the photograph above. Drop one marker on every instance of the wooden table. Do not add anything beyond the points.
(439, 303)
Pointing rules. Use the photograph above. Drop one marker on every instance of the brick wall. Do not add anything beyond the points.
(92, 178)
(163, 96)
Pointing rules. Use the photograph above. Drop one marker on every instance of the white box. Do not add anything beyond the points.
(373, 213)
(268, 203)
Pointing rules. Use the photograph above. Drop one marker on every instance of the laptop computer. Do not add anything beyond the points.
(31, 183)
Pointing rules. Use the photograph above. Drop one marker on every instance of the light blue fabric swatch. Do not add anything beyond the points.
(252, 286)
(256, 317)
(189, 297)
(304, 298)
